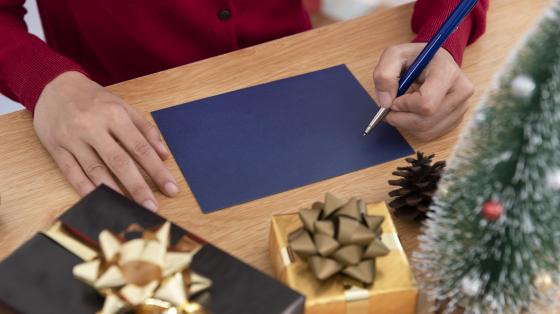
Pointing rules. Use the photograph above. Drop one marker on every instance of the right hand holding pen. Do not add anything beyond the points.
(95, 137)
(435, 104)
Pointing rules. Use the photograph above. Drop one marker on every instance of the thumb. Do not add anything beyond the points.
(386, 76)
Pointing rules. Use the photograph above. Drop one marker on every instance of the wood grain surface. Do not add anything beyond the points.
(33, 191)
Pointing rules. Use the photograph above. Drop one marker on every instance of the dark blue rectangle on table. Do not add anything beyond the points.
(258, 141)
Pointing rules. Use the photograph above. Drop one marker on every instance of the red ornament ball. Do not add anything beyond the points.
(492, 210)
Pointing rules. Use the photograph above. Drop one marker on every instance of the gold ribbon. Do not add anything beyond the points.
(339, 238)
(142, 275)
(394, 290)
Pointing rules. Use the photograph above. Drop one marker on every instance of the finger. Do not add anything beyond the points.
(386, 75)
(445, 126)
(429, 128)
(125, 170)
(149, 131)
(429, 97)
(93, 167)
(144, 154)
(457, 100)
(408, 121)
(72, 171)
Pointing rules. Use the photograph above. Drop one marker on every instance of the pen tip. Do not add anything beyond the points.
(365, 133)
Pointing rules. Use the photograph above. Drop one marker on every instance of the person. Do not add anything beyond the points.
(95, 137)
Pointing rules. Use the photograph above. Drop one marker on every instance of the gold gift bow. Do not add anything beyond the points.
(146, 275)
(395, 289)
(339, 237)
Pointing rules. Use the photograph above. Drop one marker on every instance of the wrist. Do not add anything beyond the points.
(67, 85)
(66, 79)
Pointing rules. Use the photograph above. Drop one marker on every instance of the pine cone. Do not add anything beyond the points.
(417, 186)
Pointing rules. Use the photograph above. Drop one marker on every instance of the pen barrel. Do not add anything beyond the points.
(443, 33)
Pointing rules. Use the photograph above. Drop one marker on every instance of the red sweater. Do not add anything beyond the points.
(116, 40)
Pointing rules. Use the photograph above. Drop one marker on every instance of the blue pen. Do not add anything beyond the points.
(450, 25)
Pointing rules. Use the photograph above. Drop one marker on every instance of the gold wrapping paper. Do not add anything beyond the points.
(394, 289)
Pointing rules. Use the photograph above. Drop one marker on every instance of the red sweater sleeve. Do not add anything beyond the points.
(27, 64)
(429, 15)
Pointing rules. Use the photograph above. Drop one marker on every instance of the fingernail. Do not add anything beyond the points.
(149, 204)
(162, 148)
(171, 189)
(385, 99)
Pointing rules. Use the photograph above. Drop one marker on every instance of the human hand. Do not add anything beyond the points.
(94, 137)
(435, 104)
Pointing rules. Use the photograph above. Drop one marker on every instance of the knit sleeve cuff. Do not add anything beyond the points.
(455, 44)
(29, 69)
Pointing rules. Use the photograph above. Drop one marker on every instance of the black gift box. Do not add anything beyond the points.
(37, 277)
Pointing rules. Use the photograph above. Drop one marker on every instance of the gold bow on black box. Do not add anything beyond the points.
(339, 237)
(146, 274)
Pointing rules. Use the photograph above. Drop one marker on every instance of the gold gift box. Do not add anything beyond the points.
(393, 291)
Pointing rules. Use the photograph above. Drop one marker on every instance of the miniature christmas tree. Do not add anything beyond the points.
(492, 243)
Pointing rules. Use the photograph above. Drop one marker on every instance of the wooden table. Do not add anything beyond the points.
(33, 191)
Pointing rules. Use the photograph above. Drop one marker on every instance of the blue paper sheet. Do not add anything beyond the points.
(262, 140)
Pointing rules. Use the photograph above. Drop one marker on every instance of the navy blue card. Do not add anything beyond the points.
(258, 141)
